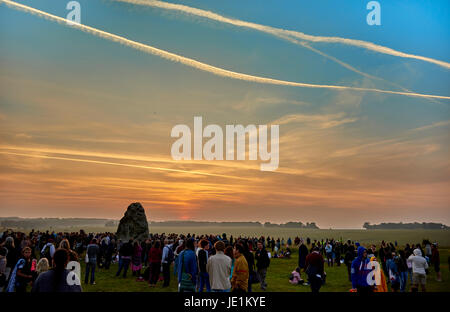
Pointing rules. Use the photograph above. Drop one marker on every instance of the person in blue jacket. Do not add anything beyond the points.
(360, 271)
(394, 273)
(187, 268)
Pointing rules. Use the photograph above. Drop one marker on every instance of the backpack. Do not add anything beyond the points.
(46, 253)
(170, 255)
(186, 283)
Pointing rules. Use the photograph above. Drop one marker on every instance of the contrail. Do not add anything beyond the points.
(279, 32)
(196, 64)
(273, 31)
(120, 164)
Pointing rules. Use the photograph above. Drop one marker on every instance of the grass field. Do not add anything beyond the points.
(277, 279)
(360, 235)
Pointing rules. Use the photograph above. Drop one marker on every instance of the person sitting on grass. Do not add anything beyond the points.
(295, 278)
(287, 253)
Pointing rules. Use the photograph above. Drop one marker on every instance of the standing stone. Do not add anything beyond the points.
(134, 224)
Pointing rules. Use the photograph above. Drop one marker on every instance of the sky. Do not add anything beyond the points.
(85, 121)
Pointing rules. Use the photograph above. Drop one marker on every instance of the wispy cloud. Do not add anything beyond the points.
(199, 65)
(283, 33)
(23, 136)
(433, 125)
(323, 121)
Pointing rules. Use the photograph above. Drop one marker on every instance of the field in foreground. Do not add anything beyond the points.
(277, 279)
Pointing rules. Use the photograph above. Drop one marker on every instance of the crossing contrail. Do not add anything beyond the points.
(282, 33)
(197, 64)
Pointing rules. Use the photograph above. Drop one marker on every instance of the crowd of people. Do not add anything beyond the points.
(50, 261)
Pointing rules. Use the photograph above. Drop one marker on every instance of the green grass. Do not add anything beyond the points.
(277, 279)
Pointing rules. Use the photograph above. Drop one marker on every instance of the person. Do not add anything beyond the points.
(381, 284)
(187, 268)
(92, 252)
(337, 252)
(403, 269)
(66, 245)
(42, 266)
(3, 253)
(202, 256)
(240, 278)
(359, 272)
(302, 253)
(48, 250)
(166, 260)
(295, 277)
(155, 256)
(230, 253)
(428, 248)
(21, 276)
(180, 245)
(408, 252)
(329, 253)
(125, 252)
(56, 279)
(348, 259)
(262, 263)
(436, 261)
(219, 269)
(287, 252)
(419, 266)
(315, 269)
(11, 256)
(136, 260)
(109, 252)
(248, 255)
(394, 274)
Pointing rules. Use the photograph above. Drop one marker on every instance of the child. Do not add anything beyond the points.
(42, 266)
(295, 278)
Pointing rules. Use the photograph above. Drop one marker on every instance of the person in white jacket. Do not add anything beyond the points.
(419, 265)
(219, 269)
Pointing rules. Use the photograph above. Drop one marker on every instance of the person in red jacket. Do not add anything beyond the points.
(155, 257)
(314, 269)
(436, 261)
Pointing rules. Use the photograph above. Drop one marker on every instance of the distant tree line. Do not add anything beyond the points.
(406, 226)
(48, 223)
(298, 225)
(204, 223)
(308, 225)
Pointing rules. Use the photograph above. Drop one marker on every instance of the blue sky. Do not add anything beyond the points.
(63, 89)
